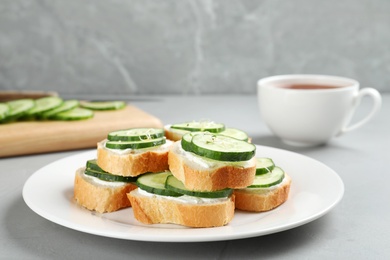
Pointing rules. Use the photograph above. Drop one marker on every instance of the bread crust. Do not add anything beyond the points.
(132, 164)
(263, 201)
(98, 197)
(158, 210)
(209, 179)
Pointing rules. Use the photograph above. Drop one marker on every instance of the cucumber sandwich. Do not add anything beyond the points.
(210, 161)
(98, 190)
(162, 198)
(269, 189)
(102, 184)
(175, 132)
(131, 152)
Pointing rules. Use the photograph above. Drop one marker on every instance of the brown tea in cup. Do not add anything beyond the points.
(309, 86)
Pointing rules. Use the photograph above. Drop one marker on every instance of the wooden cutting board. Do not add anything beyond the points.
(22, 138)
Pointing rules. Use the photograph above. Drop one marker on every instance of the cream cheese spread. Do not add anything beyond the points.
(97, 181)
(209, 163)
(185, 199)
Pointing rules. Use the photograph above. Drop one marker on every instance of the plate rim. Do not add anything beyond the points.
(215, 237)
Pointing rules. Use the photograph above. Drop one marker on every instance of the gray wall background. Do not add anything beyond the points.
(141, 47)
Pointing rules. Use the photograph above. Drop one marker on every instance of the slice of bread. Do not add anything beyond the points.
(174, 134)
(201, 174)
(154, 209)
(100, 196)
(258, 200)
(135, 162)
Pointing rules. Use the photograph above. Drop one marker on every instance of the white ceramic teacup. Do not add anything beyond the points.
(308, 110)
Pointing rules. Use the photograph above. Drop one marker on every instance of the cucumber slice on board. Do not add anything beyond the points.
(235, 133)
(272, 178)
(44, 104)
(201, 126)
(19, 108)
(135, 134)
(155, 183)
(135, 144)
(176, 185)
(108, 176)
(222, 148)
(4, 110)
(65, 106)
(103, 105)
(77, 113)
(264, 165)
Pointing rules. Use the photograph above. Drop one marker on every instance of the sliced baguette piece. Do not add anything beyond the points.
(201, 174)
(98, 196)
(133, 162)
(264, 199)
(157, 209)
(174, 134)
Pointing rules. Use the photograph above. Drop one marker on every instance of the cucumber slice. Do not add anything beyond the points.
(4, 110)
(94, 170)
(92, 164)
(155, 183)
(222, 148)
(272, 178)
(201, 126)
(176, 185)
(135, 134)
(264, 165)
(105, 176)
(186, 141)
(44, 104)
(135, 144)
(77, 113)
(235, 133)
(65, 106)
(103, 105)
(19, 108)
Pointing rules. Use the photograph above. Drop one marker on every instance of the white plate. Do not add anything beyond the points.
(315, 190)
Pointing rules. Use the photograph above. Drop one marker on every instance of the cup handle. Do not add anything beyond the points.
(377, 99)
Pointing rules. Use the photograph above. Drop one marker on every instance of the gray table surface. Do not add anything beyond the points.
(357, 228)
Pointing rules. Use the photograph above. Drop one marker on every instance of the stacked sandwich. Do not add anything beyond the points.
(271, 185)
(204, 168)
(102, 184)
(206, 172)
